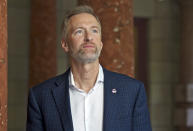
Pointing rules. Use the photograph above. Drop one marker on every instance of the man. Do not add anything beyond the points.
(87, 97)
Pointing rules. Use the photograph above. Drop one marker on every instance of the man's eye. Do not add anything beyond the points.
(95, 31)
(78, 32)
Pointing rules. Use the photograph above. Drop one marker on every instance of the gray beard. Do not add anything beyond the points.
(84, 58)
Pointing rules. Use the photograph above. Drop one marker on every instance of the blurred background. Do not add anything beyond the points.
(163, 42)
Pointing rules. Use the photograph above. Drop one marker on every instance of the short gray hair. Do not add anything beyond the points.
(75, 11)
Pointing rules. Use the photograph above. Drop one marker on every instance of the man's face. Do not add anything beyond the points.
(83, 40)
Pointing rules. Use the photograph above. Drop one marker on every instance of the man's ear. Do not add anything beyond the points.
(65, 45)
(101, 44)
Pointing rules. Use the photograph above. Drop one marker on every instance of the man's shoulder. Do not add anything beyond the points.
(122, 81)
(50, 83)
(119, 76)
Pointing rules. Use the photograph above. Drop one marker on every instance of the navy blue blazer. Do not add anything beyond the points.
(125, 110)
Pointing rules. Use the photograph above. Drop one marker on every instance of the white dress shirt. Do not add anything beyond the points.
(87, 108)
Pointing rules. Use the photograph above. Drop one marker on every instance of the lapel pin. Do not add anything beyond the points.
(114, 91)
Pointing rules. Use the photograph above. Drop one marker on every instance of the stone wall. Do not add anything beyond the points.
(18, 42)
(164, 43)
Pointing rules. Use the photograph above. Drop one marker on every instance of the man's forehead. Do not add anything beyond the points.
(83, 18)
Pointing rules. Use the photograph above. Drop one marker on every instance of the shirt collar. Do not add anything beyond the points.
(100, 79)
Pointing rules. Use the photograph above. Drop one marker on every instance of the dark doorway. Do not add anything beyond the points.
(141, 53)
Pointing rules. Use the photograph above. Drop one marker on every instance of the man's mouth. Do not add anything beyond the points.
(88, 46)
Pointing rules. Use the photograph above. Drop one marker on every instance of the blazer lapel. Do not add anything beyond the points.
(61, 96)
(109, 100)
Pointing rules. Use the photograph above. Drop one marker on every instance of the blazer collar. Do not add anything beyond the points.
(61, 96)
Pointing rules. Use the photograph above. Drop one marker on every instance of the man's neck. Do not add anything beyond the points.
(85, 75)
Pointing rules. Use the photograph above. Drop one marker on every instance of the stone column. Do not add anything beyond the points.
(43, 41)
(184, 91)
(3, 65)
(117, 27)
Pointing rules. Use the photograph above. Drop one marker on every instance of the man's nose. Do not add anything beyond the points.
(88, 37)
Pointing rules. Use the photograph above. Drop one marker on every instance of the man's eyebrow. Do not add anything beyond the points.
(80, 27)
(95, 27)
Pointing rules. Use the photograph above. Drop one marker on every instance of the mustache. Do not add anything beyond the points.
(88, 43)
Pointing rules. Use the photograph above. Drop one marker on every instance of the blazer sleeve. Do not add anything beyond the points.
(34, 117)
(141, 118)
